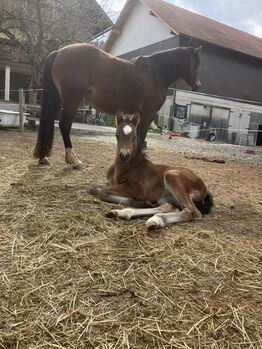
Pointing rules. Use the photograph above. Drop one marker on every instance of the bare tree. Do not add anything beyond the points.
(41, 26)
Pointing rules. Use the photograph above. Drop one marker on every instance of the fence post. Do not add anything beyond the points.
(21, 109)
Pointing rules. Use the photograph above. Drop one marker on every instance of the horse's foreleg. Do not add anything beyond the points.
(130, 212)
(71, 158)
(145, 121)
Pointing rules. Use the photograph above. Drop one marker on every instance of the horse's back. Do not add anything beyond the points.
(72, 58)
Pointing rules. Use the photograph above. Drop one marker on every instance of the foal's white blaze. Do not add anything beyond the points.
(127, 130)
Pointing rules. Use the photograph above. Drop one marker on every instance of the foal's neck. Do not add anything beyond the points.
(136, 159)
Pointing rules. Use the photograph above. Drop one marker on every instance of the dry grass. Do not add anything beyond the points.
(72, 279)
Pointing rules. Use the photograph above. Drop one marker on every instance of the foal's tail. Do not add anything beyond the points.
(205, 206)
(49, 108)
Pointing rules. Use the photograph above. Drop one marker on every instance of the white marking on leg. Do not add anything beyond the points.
(127, 130)
(129, 212)
(161, 219)
(44, 161)
(125, 213)
(156, 221)
(72, 159)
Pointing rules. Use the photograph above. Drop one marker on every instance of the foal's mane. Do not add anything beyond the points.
(169, 64)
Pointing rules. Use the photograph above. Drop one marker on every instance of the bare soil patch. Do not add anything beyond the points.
(70, 278)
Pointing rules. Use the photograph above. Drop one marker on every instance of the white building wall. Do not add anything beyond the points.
(140, 29)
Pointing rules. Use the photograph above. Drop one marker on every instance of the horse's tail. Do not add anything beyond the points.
(205, 206)
(49, 108)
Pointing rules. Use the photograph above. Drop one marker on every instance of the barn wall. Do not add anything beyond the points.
(227, 73)
(141, 29)
(222, 72)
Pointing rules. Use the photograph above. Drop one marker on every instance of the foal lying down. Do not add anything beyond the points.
(152, 189)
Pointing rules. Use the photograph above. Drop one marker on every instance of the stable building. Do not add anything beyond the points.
(15, 70)
(231, 60)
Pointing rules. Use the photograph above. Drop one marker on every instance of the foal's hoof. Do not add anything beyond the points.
(111, 214)
(154, 223)
(44, 161)
(125, 213)
(94, 190)
(152, 226)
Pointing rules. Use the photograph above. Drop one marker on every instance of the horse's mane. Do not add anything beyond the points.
(169, 63)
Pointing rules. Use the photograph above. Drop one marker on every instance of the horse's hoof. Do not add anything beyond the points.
(44, 161)
(111, 214)
(78, 166)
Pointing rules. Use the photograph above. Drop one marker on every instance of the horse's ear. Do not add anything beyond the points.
(119, 117)
(136, 118)
(198, 49)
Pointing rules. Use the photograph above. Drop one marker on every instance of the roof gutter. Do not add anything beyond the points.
(100, 34)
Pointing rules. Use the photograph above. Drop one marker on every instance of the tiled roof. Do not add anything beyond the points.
(190, 23)
(182, 21)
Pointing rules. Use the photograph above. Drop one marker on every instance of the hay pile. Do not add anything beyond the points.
(72, 279)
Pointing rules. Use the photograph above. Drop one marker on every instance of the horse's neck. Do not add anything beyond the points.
(171, 65)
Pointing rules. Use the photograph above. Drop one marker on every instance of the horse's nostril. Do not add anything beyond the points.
(124, 157)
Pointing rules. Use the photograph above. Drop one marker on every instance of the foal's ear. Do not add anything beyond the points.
(136, 118)
(119, 117)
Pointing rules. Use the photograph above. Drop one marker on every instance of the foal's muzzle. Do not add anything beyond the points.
(124, 156)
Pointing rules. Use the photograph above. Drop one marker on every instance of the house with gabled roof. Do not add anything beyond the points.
(229, 101)
(231, 60)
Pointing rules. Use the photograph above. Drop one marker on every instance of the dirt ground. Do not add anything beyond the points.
(70, 278)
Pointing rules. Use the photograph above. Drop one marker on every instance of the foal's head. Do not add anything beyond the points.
(126, 135)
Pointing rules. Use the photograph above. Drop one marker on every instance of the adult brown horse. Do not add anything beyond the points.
(110, 84)
(133, 180)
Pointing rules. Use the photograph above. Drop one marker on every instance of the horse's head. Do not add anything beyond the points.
(126, 135)
(191, 74)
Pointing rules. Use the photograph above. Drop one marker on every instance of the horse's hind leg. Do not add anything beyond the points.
(65, 124)
(176, 184)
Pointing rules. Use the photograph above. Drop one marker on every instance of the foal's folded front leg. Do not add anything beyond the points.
(96, 188)
(125, 194)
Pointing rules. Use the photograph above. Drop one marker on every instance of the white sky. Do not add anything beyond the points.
(244, 15)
